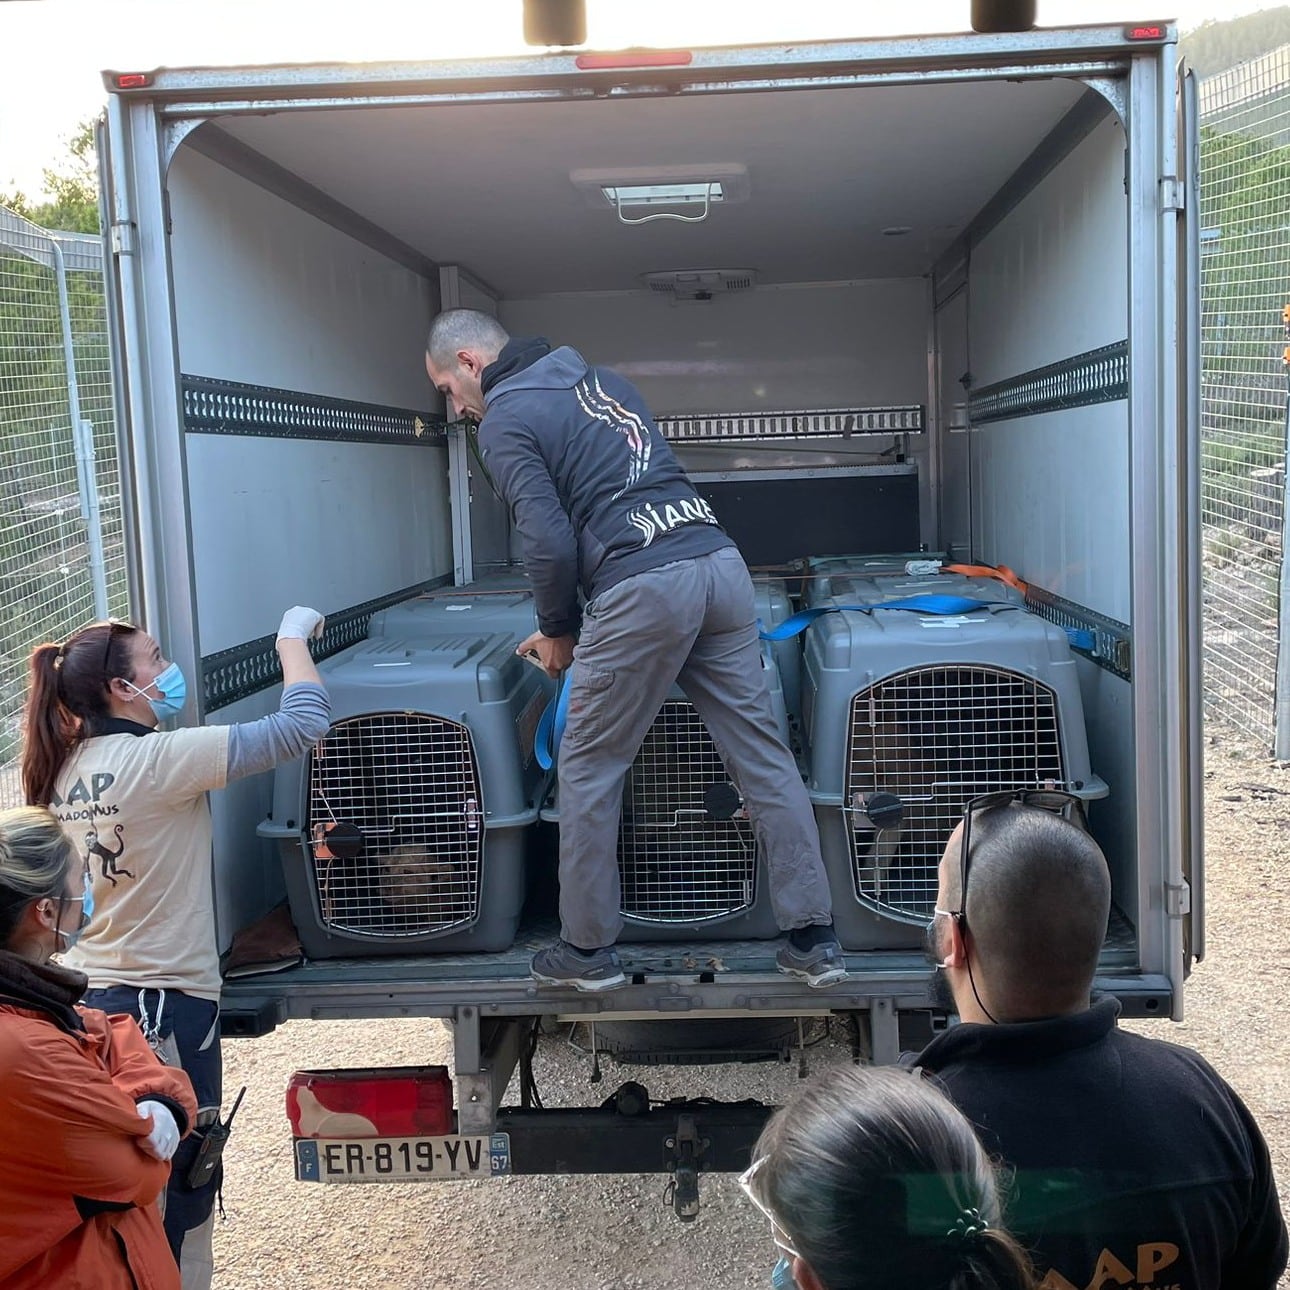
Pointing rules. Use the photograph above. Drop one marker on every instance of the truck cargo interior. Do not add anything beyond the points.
(878, 320)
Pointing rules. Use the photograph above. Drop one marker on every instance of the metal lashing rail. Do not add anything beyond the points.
(823, 423)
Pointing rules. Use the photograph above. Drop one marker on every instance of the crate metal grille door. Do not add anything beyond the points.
(676, 862)
(409, 783)
(936, 737)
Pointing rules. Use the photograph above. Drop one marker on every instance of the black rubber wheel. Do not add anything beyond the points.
(1003, 15)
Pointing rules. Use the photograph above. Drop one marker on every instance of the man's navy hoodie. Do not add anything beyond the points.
(594, 489)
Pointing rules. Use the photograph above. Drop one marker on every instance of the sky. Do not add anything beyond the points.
(51, 51)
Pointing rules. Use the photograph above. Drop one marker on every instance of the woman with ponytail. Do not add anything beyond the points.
(132, 801)
(872, 1180)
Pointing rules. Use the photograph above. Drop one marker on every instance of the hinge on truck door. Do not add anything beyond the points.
(123, 235)
(1177, 899)
(1173, 194)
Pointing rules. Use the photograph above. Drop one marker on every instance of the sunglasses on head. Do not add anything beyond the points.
(1044, 799)
(112, 624)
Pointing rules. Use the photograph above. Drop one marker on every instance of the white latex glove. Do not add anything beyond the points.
(300, 623)
(164, 1138)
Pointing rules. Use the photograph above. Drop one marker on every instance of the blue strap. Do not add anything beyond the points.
(934, 603)
(1079, 637)
(550, 730)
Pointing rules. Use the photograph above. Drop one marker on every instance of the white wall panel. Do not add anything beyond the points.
(842, 344)
(278, 522)
(1051, 280)
(1052, 501)
(268, 295)
(1051, 492)
(473, 296)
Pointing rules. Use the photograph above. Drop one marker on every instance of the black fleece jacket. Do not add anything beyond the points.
(596, 493)
(1135, 1164)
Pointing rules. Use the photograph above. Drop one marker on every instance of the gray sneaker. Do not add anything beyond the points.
(562, 964)
(820, 966)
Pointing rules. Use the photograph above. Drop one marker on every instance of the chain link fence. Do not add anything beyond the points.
(62, 558)
(1245, 282)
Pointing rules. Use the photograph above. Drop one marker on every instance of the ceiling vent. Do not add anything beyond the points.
(699, 284)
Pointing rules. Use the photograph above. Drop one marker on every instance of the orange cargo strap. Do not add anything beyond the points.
(1002, 572)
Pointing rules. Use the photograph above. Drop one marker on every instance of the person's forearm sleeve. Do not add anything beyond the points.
(255, 746)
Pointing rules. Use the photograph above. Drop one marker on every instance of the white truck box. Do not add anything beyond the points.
(947, 301)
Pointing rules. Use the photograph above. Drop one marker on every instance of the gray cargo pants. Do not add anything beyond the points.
(692, 621)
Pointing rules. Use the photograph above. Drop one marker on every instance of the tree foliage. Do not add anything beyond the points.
(71, 189)
(1215, 46)
(1245, 263)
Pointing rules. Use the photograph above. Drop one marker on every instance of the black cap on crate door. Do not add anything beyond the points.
(721, 800)
(344, 841)
(885, 810)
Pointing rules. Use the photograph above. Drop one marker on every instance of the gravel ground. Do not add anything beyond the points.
(615, 1232)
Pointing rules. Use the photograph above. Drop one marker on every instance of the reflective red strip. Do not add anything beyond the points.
(635, 58)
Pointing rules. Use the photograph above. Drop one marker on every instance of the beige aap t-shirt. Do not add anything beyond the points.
(135, 807)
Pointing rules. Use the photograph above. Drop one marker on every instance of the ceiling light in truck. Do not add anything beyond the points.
(683, 193)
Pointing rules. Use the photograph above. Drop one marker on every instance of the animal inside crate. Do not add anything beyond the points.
(931, 712)
(406, 826)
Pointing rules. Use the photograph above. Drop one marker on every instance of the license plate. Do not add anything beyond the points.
(369, 1160)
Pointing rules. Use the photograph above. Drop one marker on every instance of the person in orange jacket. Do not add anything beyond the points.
(91, 1117)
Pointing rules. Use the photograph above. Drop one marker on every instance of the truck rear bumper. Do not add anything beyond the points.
(732, 978)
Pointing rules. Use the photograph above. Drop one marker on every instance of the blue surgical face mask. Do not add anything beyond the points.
(781, 1276)
(87, 912)
(172, 688)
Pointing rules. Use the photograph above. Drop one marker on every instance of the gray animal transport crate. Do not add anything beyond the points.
(773, 607)
(406, 827)
(825, 574)
(872, 587)
(498, 602)
(935, 711)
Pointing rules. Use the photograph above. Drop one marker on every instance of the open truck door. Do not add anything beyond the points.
(1189, 221)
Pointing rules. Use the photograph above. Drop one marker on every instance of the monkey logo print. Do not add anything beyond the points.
(86, 802)
(107, 859)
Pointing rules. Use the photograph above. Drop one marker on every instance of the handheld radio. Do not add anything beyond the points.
(211, 1151)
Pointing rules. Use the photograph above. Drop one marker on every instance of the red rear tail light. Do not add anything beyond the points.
(132, 80)
(384, 1102)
